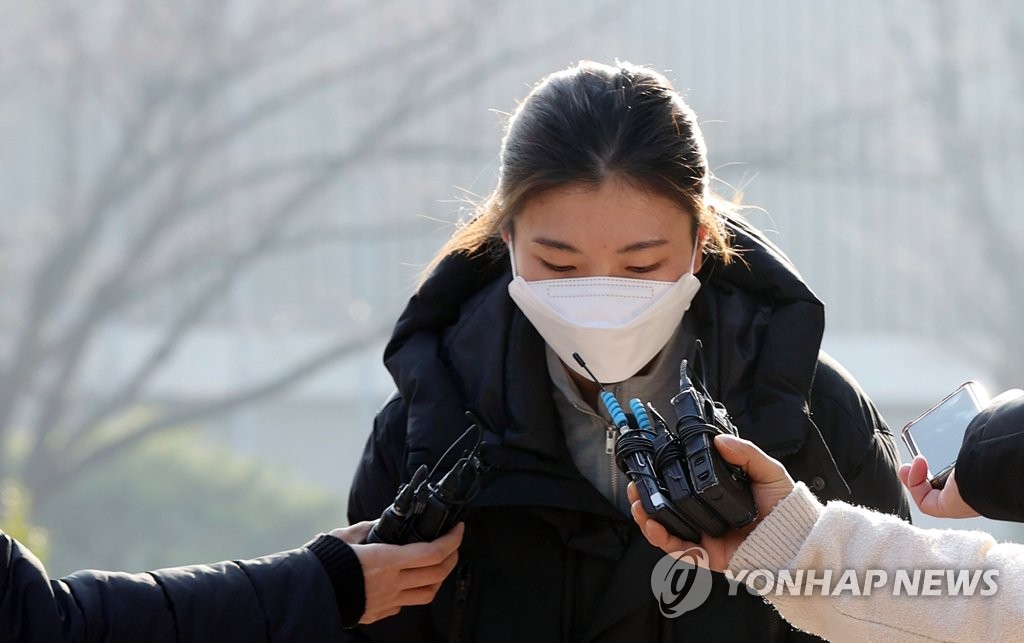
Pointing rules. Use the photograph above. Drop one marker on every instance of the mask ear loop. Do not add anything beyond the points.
(512, 256)
(693, 256)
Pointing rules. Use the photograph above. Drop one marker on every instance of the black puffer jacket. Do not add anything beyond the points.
(545, 556)
(289, 596)
(990, 466)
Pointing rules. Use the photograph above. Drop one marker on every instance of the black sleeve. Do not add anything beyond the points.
(381, 469)
(990, 465)
(282, 597)
(858, 439)
(346, 574)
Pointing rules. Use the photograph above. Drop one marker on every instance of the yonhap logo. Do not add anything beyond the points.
(681, 581)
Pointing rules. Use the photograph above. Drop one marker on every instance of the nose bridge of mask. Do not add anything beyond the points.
(600, 302)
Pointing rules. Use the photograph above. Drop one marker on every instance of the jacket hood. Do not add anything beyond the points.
(462, 344)
(769, 324)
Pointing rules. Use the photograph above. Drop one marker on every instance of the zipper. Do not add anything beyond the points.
(457, 626)
(609, 447)
(610, 433)
(614, 471)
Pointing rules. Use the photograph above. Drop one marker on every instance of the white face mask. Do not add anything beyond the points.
(617, 325)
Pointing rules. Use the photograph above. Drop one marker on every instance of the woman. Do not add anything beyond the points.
(603, 238)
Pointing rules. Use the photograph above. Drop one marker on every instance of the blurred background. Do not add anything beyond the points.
(213, 211)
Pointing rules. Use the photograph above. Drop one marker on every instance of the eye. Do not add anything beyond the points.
(555, 268)
(643, 269)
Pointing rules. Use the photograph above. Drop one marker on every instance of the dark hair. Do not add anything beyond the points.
(594, 122)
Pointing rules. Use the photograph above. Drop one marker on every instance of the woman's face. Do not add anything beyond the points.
(617, 230)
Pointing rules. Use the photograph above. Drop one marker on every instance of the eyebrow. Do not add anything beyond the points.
(643, 245)
(633, 247)
(555, 244)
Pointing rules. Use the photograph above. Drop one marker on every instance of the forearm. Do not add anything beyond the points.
(287, 595)
(31, 608)
(801, 534)
(991, 460)
(35, 608)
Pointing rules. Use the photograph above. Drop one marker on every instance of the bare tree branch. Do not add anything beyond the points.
(53, 277)
(68, 254)
(100, 306)
(161, 153)
(46, 481)
(193, 266)
(190, 315)
(285, 210)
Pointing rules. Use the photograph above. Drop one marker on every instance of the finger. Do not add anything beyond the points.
(368, 618)
(425, 576)
(919, 488)
(361, 530)
(759, 465)
(451, 541)
(418, 595)
(632, 493)
(918, 473)
(432, 553)
(903, 473)
(448, 565)
(355, 534)
(656, 534)
(432, 590)
(639, 515)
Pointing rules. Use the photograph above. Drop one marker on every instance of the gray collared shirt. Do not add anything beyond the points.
(587, 430)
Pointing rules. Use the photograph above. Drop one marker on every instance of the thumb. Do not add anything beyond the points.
(918, 472)
(761, 467)
(632, 493)
(917, 482)
(903, 473)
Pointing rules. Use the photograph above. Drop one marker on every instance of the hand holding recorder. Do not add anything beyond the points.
(679, 479)
(430, 504)
(769, 483)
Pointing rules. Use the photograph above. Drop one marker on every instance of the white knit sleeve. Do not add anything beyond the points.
(801, 535)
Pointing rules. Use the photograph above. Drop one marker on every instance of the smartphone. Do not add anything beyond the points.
(938, 433)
